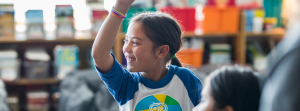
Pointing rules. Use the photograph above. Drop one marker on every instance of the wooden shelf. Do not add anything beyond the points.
(11, 40)
(192, 34)
(33, 82)
(263, 34)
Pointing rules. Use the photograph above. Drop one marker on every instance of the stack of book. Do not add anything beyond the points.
(37, 101)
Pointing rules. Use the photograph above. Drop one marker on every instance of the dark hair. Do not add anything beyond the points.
(162, 29)
(235, 86)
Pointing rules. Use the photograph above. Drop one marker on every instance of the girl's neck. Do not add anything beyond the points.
(155, 75)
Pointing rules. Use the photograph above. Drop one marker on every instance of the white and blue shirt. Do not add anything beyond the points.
(179, 90)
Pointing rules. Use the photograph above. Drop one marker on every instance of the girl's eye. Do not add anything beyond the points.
(125, 40)
(134, 43)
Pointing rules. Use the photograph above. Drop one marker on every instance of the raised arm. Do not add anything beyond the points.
(106, 37)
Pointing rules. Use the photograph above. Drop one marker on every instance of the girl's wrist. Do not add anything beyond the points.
(122, 8)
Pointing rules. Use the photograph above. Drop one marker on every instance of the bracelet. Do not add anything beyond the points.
(114, 9)
(117, 14)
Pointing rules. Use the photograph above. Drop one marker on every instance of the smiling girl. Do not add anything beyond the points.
(148, 83)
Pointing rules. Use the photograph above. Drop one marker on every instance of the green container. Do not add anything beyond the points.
(273, 9)
(133, 12)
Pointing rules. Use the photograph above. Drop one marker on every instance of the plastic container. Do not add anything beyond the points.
(273, 9)
(190, 57)
(249, 20)
(211, 22)
(257, 24)
(185, 16)
(221, 20)
(213, 2)
(36, 69)
(98, 19)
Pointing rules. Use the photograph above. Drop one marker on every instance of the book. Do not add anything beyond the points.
(65, 21)
(37, 101)
(66, 60)
(36, 63)
(220, 54)
(6, 21)
(9, 65)
(35, 24)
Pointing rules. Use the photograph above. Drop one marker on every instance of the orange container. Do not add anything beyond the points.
(220, 20)
(211, 22)
(190, 57)
(230, 20)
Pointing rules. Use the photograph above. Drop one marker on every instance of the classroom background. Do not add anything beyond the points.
(45, 45)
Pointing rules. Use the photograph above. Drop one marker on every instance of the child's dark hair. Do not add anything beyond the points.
(162, 29)
(235, 86)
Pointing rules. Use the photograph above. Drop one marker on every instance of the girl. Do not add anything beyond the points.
(230, 89)
(151, 42)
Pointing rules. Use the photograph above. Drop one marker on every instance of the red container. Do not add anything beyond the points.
(212, 2)
(184, 16)
(190, 57)
(98, 19)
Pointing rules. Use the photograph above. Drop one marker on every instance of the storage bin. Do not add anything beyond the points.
(185, 16)
(220, 20)
(273, 9)
(98, 19)
(36, 69)
(212, 2)
(190, 57)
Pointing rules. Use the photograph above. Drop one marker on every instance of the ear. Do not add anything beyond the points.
(162, 51)
(228, 108)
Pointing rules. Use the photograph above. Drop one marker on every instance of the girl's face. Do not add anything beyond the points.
(138, 49)
(207, 101)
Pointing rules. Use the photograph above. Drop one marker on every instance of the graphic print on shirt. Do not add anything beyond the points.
(158, 102)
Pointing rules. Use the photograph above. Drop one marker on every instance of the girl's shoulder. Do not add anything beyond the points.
(177, 69)
(183, 72)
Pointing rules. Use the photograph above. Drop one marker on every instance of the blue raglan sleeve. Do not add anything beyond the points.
(192, 83)
(120, 82)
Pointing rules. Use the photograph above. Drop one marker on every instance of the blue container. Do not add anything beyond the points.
(249, 20)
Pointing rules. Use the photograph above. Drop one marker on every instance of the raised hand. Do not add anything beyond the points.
(123, 5)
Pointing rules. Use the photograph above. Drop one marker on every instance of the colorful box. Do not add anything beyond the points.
(6, 21)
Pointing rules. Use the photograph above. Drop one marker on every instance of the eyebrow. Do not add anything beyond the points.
(134, 38)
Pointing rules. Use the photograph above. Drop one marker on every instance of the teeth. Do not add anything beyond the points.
(130, 59)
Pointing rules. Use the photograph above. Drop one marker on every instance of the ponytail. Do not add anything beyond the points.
(175, 61)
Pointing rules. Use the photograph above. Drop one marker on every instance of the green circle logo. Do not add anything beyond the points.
(158, 102)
